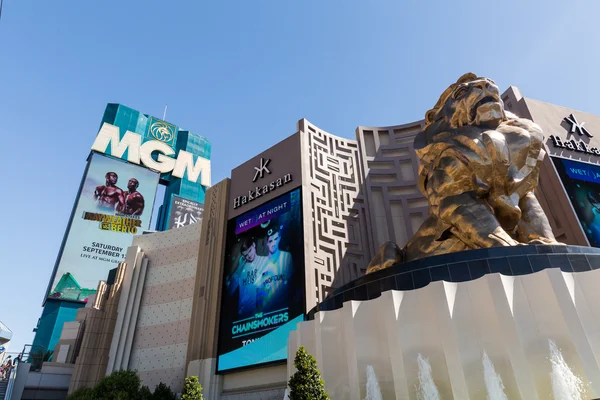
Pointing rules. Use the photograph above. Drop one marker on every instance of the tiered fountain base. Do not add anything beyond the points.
(505, 323)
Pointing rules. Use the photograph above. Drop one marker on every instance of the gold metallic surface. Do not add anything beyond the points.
(479, 166)
(389, 254)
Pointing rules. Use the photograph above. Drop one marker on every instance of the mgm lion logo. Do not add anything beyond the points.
(479, 166)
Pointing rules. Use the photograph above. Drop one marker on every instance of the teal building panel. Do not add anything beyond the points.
(50, 324)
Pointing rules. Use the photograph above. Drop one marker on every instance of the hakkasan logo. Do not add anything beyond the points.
(573, 144)
(258, 191)
(577, 126)
(109, 142)
(163, 131)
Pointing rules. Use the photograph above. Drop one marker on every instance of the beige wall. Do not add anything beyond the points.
(162, 330)
(155, 308)
(202, 341)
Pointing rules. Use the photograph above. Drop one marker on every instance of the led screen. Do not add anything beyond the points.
(263, 283)
(582, 183)
(114, 204)
(184, 212)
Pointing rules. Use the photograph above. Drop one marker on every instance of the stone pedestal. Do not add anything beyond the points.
(508, 303)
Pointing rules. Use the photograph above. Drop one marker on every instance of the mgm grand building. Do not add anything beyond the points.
(280, 258)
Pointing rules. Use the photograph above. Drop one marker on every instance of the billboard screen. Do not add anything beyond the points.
(184, 212)
(263, 283)
(115, 203)
(582, 183)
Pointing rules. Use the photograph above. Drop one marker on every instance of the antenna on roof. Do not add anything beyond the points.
(166, 105)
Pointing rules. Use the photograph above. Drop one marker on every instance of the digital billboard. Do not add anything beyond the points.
(582, 183)
(263, 283)
(184, 212)
(114, 204)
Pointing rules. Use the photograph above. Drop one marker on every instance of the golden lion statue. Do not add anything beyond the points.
(479, 166)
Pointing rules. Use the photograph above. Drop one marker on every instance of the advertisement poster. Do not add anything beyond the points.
(184, 212)
(582, 183)
(115, 204)
(263, 283)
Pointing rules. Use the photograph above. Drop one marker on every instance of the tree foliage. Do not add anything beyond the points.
(123, 385)
(192, 389)
(83, 394)
(119, 385)
(163, 392)
(145, 392)
(306, 383)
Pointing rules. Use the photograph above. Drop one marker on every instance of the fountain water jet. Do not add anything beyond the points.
(493, 382)
(373, 391)
(565, 384)
(426, 389)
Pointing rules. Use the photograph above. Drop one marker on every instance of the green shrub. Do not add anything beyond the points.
(145, 393)
(123, 385)
(119, 385)
(83, 394)
(192, 389)
(163, 392)
(306, 383)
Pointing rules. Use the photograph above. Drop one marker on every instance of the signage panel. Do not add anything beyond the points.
(157, 151)
(114, 204)
(184, 212)
(582, 184)
(266, 176)
(263, 283)
(569, 134)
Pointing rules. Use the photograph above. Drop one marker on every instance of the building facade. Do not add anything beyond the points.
(115, 201)
(304, 218)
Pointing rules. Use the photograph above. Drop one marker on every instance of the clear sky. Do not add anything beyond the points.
(242, 73)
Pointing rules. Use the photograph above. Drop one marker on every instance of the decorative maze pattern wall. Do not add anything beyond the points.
(359, 194)
(339, 250)
(395, 205)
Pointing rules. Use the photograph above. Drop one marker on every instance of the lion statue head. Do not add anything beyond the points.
(471, 100)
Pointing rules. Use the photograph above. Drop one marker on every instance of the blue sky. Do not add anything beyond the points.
(242, 73)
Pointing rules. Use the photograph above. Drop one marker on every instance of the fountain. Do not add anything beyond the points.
(426, 389)
(493, 382)
(565, 384)
(373, 391)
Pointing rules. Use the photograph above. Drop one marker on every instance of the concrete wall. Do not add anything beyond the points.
(51, 383)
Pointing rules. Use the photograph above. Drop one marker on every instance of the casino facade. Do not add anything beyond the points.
(304, 217)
